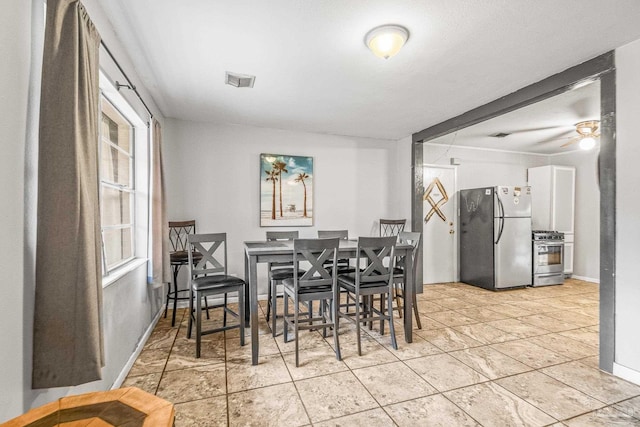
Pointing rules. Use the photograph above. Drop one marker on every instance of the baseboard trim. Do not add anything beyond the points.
(586, 279)
(625, 373)
(127, 367)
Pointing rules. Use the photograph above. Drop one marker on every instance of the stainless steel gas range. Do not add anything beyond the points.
(548, 257)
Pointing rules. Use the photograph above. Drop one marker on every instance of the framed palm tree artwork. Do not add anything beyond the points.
(286, 190)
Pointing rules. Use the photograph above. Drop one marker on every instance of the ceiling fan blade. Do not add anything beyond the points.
(563, 135)
(573, 141)
(538, 129)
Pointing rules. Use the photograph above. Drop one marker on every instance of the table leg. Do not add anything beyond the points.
(251, 277)
(409, 289)
(247, 312)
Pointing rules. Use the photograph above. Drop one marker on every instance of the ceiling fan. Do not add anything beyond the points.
(587, 133)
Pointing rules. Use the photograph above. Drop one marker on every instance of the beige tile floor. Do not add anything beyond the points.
(524, 357)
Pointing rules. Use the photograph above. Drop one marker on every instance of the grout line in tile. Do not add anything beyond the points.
(403, 361)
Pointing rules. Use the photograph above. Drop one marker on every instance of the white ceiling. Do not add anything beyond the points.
(314, 73)
(540, 128)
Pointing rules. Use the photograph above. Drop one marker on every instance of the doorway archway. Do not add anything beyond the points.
(601, 68)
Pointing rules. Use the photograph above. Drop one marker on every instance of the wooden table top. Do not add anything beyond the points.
(128, 406)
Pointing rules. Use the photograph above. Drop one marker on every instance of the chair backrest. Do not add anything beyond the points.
(391, 227)
(412, 238)
(178, 232)
(341, 234)
(281, 235)
(376, 259)
(213, 248)
(316, 252)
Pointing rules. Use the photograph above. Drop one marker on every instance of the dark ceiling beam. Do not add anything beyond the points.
(554, 85)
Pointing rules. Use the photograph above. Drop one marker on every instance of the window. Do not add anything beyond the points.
(123, 155)
(117, 187)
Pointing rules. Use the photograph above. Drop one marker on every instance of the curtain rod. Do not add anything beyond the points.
(130, 85)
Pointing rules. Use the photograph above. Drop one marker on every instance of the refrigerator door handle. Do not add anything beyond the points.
(501, 219)
(501, 229)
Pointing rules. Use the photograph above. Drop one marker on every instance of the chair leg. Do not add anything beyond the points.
(396, 291)
(273, 302)
(381, 315)
(269, 300)
(284, 316)
(176, 270)
(415, 311)
(358, 325)
(296, 313)
(392, 328)
(224, 310)
(198, 323)
(190, 324)
(323, 308)
(335, 304)
(241, 296)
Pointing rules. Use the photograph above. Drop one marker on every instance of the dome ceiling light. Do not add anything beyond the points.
(386, 40)
(588, 131)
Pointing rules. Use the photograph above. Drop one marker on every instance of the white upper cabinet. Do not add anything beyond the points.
(564, 194)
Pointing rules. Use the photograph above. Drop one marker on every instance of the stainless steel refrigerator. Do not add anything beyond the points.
(495, 237)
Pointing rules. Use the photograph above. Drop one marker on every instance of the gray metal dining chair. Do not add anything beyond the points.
(318, 283)
(340, 234)
(207, 277)
(344, 266)
(376, 259)
(391, 227)
(412, 238)
(278, 271)
(178, 257)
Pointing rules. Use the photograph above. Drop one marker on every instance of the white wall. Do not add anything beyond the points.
(129, 305)
(15, 39)
(213, 176)
(480, 168)
(402, 177)
(586, 254)
(627, 300)
(484, 168)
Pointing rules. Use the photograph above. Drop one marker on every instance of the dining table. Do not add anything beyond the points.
(257, 252)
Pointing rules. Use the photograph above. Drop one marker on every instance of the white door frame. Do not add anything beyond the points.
(454, 196)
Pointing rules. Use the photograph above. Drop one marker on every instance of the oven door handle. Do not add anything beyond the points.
(539, 243)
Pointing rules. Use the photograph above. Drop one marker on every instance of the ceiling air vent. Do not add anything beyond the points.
(500, 135)
(239, 80)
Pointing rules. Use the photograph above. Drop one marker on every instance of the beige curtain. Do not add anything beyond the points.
(160, 272)
(67, 335)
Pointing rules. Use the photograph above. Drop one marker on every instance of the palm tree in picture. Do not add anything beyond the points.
(280, 167)
(272, 176)
(300, 178)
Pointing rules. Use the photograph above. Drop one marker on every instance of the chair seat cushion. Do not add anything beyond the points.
(346, 269)
(182, 257)
(349, 281)
(215, 281)
(283, 273)
(397, 271)
(289, 284)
